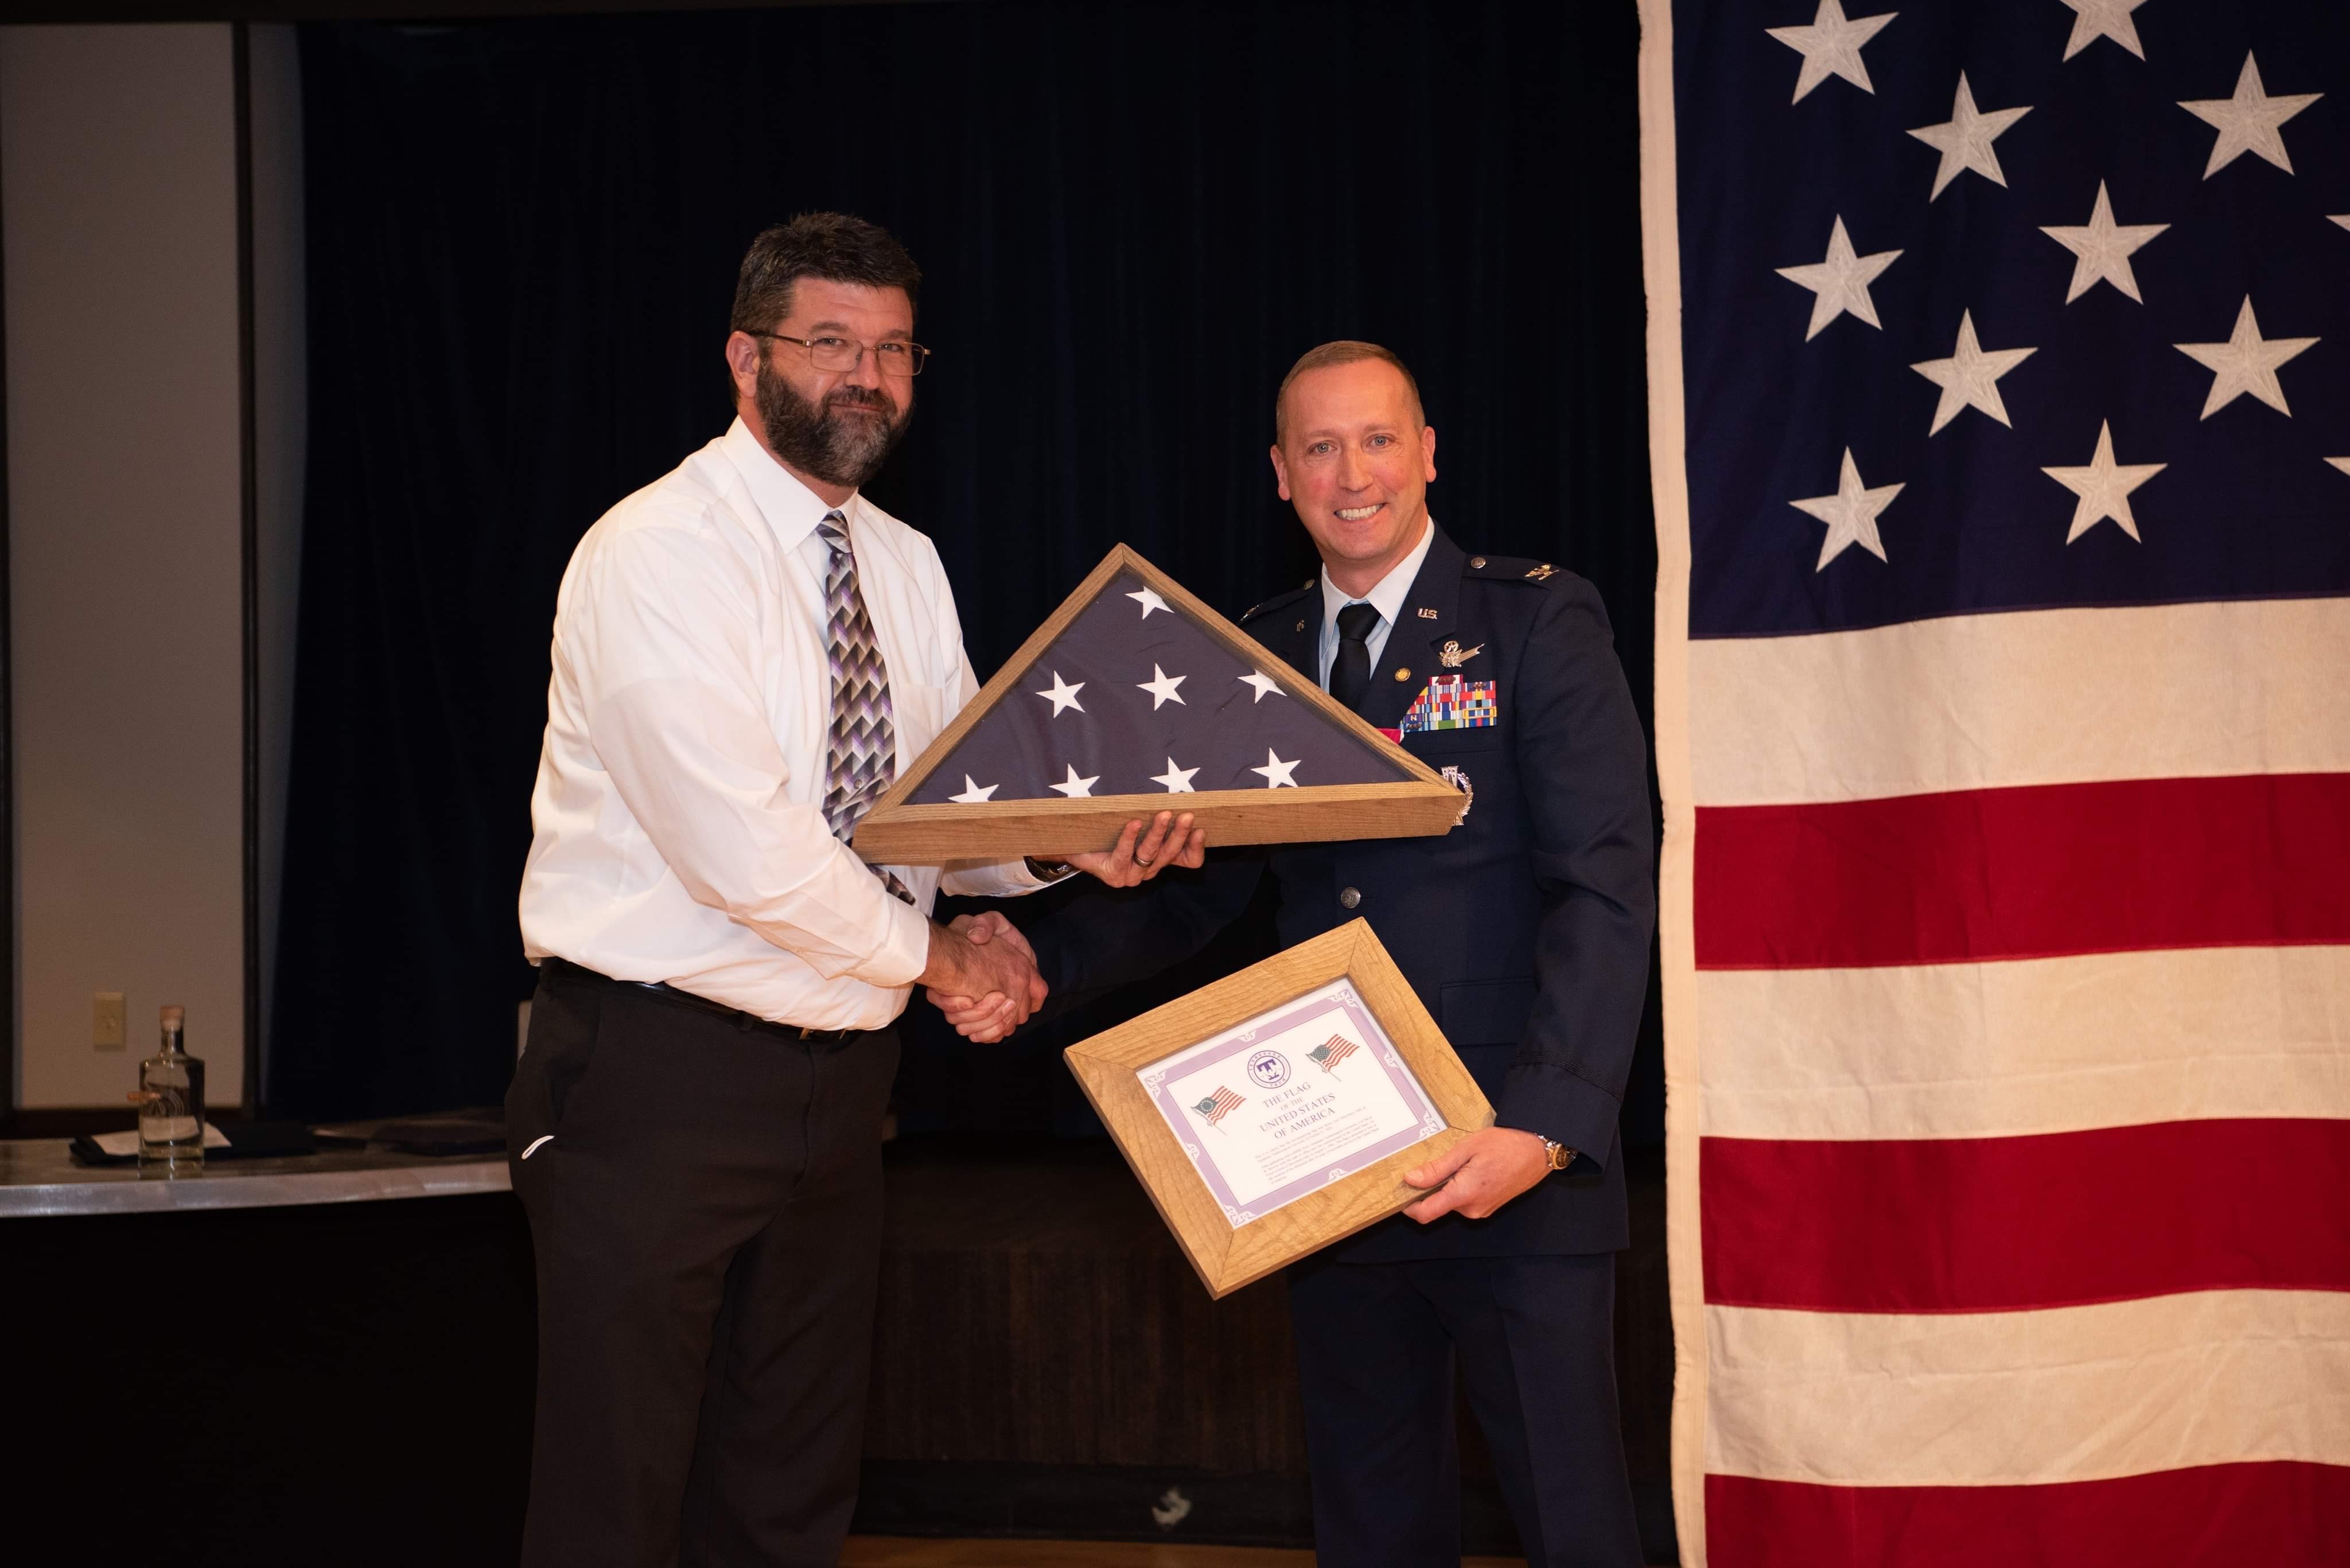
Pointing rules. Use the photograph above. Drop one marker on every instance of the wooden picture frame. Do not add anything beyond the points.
(1228, 1244)
(1420, 804)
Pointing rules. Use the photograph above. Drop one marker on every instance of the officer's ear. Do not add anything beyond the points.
(1281, 473)
(1427, 453)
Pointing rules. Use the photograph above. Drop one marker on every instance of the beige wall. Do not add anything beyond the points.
(117, 216)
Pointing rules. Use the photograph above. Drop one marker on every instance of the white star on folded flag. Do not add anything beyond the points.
(2246, 362)
(2341, 218)
(1265, 684)
(1064, 695)
(2341, 462)
(1965, 139)
(1277, 772)
(1149, 600)
(1839, 283)
(1831, 47)
(973, 793)
(2104, 19)
(1074, 787)
(1162, 686)
(1970, 377)
(1850, 513)
(1176, 780)
(2249, 122)
(2103, 487)
(2102, 249)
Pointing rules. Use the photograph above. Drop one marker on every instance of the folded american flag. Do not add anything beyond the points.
(1134, 697)
(2001, 406)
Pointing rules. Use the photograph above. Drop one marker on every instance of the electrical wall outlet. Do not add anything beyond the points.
(108, 1024)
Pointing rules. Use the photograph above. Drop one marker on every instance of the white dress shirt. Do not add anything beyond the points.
(678, 830)
(1386, 596)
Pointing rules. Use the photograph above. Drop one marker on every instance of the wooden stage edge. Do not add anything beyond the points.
(900, 1552)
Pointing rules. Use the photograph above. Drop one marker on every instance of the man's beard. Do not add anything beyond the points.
(825, 441)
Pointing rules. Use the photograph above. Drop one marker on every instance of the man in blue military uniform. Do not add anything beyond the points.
(1525, 930)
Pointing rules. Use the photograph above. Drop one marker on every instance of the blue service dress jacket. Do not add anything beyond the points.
(1525, 930)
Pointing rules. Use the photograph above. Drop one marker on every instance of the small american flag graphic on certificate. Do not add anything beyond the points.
(1332, 1051)
(1218, 1105)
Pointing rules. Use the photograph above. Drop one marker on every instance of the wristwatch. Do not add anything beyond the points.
(1046, 870)
(1556, 1154)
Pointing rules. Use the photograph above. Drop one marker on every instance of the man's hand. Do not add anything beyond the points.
(1171, 841)
(1479, 1174)
(983, 976)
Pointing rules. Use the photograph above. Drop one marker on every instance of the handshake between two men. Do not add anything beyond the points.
(983, 973)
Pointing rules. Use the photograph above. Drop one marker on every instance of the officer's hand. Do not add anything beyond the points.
(983, 976)
(1171, 841)
(1479, 1174)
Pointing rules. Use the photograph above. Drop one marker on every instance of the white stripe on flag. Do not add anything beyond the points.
(2066, 696)
(2006, 1398)
(2035, 1045)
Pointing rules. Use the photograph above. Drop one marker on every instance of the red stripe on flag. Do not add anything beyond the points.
(2007, 1223)
(2212, 1516)
(2025, 873)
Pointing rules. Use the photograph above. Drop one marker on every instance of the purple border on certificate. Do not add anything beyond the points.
(1383, 1052)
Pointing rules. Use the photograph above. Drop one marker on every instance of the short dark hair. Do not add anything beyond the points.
(1344, 351)
(834, 246)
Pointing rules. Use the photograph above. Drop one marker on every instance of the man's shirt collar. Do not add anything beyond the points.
(1386, 595)
(791, 509)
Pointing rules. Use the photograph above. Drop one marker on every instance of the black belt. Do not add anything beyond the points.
(553, 968)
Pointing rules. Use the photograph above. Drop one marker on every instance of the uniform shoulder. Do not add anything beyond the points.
(1517, 570)
(1279, 601)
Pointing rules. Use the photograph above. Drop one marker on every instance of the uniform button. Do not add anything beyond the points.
(1348, 897)
(1478, 562)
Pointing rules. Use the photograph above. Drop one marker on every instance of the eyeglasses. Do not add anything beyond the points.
(893, 357)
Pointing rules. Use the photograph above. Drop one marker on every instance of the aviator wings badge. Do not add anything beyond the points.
(1452, 656)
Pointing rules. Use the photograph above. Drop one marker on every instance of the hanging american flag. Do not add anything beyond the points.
(1331, 1052)
(1999, 389)
(1218, 1105)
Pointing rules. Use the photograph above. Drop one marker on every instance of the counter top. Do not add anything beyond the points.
(40, 1176)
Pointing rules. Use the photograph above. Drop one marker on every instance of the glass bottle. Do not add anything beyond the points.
(171, 1105)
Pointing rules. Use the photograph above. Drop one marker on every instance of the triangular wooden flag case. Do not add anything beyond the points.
(1133, 697)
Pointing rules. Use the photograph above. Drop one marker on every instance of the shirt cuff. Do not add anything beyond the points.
(905, 951)
(1551, 1102)
(992, 879)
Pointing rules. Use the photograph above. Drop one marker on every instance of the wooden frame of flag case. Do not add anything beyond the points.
(1228, 1256)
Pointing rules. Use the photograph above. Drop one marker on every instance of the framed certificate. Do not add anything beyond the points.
(1275, 1111)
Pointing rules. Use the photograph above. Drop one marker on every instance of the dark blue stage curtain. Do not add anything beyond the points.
(522, 238)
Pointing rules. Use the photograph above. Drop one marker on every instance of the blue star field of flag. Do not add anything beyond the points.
(1995, 305)
(1134, 697)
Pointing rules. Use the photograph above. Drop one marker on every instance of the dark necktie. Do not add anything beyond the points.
(861, 749)
(1350, 672)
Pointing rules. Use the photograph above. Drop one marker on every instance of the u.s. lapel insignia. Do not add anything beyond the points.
(1452, 656)
(1459, 781)
(1541, 572)
(1428, 614)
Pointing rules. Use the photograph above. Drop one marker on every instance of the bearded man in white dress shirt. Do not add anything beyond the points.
(746, 651)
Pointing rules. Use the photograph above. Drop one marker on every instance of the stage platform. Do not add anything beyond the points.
(353, 1376)
(1109, 1379)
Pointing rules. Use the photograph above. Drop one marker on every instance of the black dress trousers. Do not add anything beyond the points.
(1533, 1342)
(705, 1209)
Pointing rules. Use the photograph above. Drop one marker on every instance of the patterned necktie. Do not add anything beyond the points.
(861, 749)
